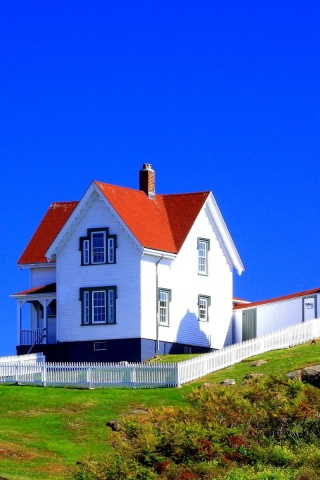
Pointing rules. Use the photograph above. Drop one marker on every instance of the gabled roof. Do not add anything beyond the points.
(277, 299)
(161, 223)
(50, 226)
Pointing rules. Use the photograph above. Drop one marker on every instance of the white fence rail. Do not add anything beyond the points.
(145, 375)
(211, 362)
(29, 358)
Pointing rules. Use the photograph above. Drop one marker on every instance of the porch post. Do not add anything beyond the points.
(45, 320)
(19, 307)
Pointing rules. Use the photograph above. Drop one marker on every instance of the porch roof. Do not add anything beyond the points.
(42, 290)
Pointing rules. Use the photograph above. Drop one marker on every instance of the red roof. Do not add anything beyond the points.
(49, 227)
(161, 223)
(277, 299)
(51, 288)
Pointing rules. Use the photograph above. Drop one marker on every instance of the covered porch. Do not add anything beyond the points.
(40, 326)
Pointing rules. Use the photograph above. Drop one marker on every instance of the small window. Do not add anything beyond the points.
(203, 249)
(98, 346)
(98, 247)
(98, 305)
(110, 250)
(163, 306)
(86, 311)
(203, 308)
(86, 258)
(111, 317)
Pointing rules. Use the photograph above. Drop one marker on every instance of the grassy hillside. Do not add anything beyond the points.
(45, 431)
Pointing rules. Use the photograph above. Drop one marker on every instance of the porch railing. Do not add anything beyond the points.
(32, 337)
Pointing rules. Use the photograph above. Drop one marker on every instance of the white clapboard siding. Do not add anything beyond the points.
(180, 276)
(40, 276)
(145, 375)
(124, 274)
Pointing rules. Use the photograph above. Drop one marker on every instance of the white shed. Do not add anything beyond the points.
(254, 319)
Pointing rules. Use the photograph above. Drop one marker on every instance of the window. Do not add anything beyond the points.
(203, 248)
(98, 247)
(203, 307)
(98, 305)
(86, 258)
(86, 308)
(97, 346)
(163, 306)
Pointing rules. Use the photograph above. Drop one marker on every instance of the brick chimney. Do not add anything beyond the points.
(147, 180)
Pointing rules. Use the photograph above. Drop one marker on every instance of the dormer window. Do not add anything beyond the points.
(98, 247)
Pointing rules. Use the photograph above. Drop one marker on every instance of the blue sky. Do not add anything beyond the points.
(221, 96)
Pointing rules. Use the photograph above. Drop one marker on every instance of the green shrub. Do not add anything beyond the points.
(258, 431)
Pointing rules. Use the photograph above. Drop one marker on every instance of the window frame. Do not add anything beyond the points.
(100, 346)
(207, 300)
(91, 309)
(203, 259)
(89, 251)
(168, 295)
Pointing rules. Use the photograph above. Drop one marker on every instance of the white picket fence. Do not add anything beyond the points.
(91, 375)
(197, 367)
(146, 375)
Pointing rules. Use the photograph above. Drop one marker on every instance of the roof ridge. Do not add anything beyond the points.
(185, 193)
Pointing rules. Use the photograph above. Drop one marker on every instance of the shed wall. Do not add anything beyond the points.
(272, 316)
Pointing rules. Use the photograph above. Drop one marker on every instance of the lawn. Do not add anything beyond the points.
(45, 431)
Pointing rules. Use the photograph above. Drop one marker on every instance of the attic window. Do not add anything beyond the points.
(98, 247)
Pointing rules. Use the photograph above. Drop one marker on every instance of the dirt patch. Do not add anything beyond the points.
(10, 450)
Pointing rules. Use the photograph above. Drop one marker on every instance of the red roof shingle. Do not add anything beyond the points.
(162, 223)
(51, 224)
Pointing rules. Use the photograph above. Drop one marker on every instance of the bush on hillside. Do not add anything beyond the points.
(269, 424)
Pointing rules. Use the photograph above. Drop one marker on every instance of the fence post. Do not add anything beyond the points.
(17, 376)
(89, 377)
(133, 377)
(44, 374)
(177, 375)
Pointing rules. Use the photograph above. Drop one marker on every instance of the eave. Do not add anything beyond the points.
(223, 235)
(159, 254)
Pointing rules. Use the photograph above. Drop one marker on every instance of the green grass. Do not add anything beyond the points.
(45, 431)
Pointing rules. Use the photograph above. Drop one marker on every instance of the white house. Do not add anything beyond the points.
(254, 319)
(124, 274)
